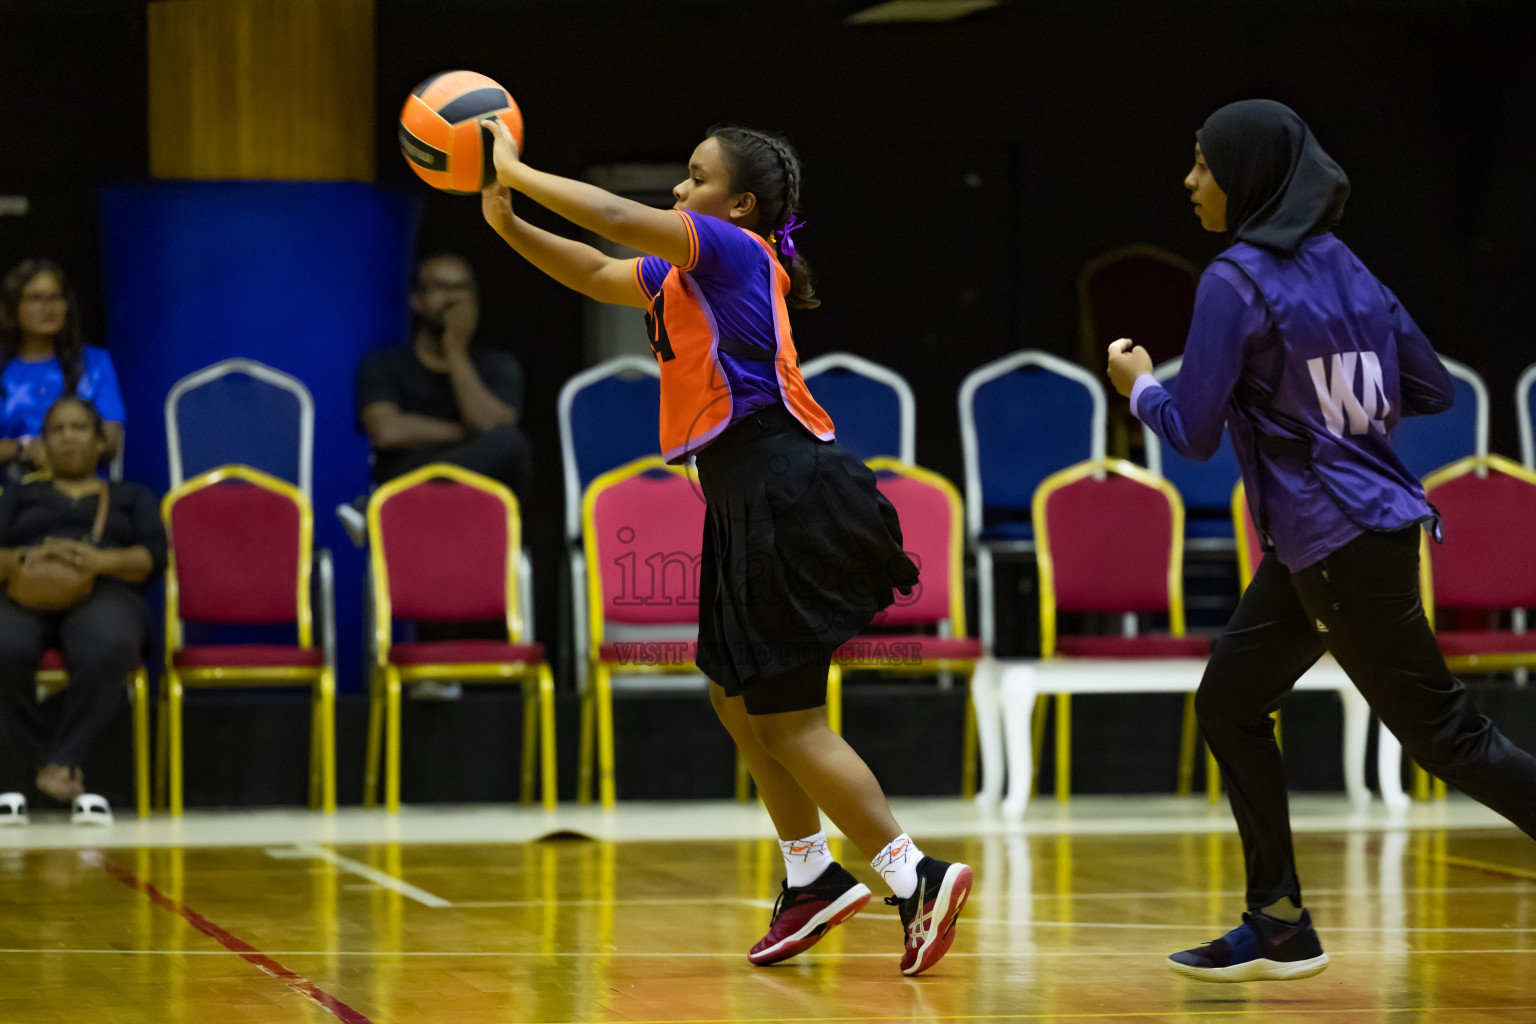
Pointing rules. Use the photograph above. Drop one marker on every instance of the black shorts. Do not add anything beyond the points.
(801, 551)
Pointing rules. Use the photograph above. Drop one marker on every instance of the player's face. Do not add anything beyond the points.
(43, 307)
(71, 441)
(1210, 201)
(707, 189)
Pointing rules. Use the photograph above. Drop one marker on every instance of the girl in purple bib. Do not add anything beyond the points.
(1309, 362)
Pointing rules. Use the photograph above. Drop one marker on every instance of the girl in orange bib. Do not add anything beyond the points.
(800, 549)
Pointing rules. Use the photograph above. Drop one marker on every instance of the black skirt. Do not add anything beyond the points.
(801, 551)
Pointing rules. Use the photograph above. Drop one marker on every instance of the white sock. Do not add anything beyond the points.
(805, 859)
(897, 864)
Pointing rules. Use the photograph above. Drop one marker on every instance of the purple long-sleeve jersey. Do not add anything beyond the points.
(1310, 362)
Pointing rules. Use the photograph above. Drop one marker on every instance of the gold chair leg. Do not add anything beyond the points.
(605, 781)
(585, 752)
(163, 746)
(547, 778)
(1212, 777)
(743, 779)
(1189, 746)
(1439, 787)
(140, 695)
(173, 722)
(375, 748)
(969, 744)
(835, 698)
(1063, 747)
(328, 742)
(314, 746)
(1037, 734)
(1279, 739)
(392, 739)
(530, 739)
(1420, 782)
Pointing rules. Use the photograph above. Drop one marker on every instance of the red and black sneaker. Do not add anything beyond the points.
(805, 913)
(928, 915)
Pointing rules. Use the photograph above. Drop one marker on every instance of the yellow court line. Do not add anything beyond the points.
(468, 954)
(1483, 865)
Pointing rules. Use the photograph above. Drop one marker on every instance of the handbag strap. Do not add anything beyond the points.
(103, 501)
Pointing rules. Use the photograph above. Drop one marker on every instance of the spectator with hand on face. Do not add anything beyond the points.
(439, 397)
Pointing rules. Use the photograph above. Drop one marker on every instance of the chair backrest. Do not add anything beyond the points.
(1488, 559)
(932, 527)
(1206, 487)
(1023, 417)
(1109, 537)
(871, 405)
(444, 543)
(1135, 291)
(608, 417)
(241, 411)
(1425, 443)
(1250, 547)
(240, 544)
(1525, 412)
(643, 531)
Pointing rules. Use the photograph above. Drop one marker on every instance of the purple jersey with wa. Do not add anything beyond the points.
(1310, 362)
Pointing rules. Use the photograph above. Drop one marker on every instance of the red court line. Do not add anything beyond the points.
(300, 984)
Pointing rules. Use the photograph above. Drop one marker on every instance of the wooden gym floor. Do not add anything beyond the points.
(462, 915)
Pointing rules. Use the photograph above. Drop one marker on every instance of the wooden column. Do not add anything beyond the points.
(261, 89)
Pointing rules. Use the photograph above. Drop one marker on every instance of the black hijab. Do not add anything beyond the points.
(1281, 187)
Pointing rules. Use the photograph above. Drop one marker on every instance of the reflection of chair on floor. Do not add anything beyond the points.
(53, 677)
(240, 554)
(1486, 568)
(872, 405)
(1022, 418)
(931, 619)
(445, 545)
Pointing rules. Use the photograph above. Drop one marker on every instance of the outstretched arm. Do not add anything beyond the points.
(574, 264)
(656, 232)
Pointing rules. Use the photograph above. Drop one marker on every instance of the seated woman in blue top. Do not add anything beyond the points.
(1309, 361)
(43, 358)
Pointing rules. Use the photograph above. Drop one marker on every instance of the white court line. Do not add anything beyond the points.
(710, 901)
(669, 955)
(374, 875)
(1010, 922)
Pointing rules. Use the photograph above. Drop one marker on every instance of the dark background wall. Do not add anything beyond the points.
(958, 175)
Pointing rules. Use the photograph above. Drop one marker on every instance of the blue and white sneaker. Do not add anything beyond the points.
(1262, 948)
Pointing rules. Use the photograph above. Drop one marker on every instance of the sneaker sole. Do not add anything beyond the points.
(835, 913)
(1255, 970)
(953, 892)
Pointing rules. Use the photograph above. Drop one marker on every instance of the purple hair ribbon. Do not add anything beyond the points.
(785, 243)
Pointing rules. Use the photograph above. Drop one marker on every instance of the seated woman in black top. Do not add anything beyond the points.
(100, 635)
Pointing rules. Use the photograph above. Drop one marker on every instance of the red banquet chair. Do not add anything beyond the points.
(643, 531)
(1485, 569)
(923, 632)
(445, 544)
(241, 545)
(1110, 540)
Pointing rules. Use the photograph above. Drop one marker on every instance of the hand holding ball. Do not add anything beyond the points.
(442, 136)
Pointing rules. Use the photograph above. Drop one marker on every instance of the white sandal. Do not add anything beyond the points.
(13, 809)
(91, 809)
